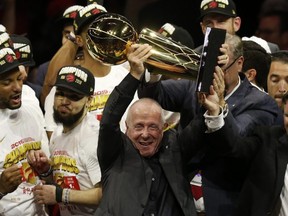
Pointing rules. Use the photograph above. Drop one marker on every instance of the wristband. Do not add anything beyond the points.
(66, 196)
(71, 37)
(59, 193)
(44, 175)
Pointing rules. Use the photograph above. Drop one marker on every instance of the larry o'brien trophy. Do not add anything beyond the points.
(109, 35)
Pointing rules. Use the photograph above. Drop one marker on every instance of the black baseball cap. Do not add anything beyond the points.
(69, 15)
(87, 14)
(224, 7)
(23, 49)
(8, 60)
(77, 79)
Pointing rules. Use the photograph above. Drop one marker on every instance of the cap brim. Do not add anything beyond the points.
(10, 67)
(30, 63)
(70, 88)
(86, 22)
(217, 12)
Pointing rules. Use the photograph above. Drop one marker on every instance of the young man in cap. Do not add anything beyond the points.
(73, 145)
(106, 76)
(66, 24)
(219, 14)
(223, 15)
(21, 130)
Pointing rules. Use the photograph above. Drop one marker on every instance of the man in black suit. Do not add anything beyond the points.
(143, 171)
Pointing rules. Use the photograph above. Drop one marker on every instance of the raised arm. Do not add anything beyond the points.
(110, 142)
(64, 56)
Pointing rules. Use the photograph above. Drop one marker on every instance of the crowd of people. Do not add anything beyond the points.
(83, 137)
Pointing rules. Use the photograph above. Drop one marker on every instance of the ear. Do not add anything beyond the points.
(203, 28)
(237, 23)
(239, 63)
(79, 41)
(166, 126)
(251, 74)
(89, 101)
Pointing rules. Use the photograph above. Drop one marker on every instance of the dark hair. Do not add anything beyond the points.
(280, 56)
(256, 57)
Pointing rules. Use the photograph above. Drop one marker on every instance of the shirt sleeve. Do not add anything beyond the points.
(215, 123)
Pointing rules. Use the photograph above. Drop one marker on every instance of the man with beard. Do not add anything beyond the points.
(21, 130)
(73, 160)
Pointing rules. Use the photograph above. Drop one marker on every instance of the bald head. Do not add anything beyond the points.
(146, 106)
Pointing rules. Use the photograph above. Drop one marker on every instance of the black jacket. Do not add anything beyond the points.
(267, 153)
(126, 176)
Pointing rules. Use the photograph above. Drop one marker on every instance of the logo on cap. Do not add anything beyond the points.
(70, 78)
(214, 4)
(225, 7)
(8, 55)
(77, 79)
(9, 58)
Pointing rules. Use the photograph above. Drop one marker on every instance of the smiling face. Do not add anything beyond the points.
(11, 89)
(145, 124)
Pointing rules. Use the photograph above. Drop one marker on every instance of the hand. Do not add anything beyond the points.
(45, 194)
(210, 102)
(219, 85)
(223, 59)
(215, 98)
(10, 179)
(137, 54)
(38, 160)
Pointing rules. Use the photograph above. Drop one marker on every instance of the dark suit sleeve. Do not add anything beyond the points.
(111, 138)
(191, 139)
(227, 142)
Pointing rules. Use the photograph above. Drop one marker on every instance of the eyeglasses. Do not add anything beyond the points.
(71, 96)
(230, 65)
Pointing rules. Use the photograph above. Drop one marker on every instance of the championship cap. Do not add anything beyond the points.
(69, 15)
(177, 34)
(8, 60)
(86, 15)
(23, 50)
(225, 7)
(77, 79)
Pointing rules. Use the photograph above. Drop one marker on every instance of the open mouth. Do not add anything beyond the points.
(16, 99)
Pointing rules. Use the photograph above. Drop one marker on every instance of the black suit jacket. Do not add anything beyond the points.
(126, 176)
(265, 152)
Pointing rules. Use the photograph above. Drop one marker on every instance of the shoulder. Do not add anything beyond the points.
(90, 125)
(119, 69)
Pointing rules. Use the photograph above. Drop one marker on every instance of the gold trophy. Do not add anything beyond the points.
(109, 34)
